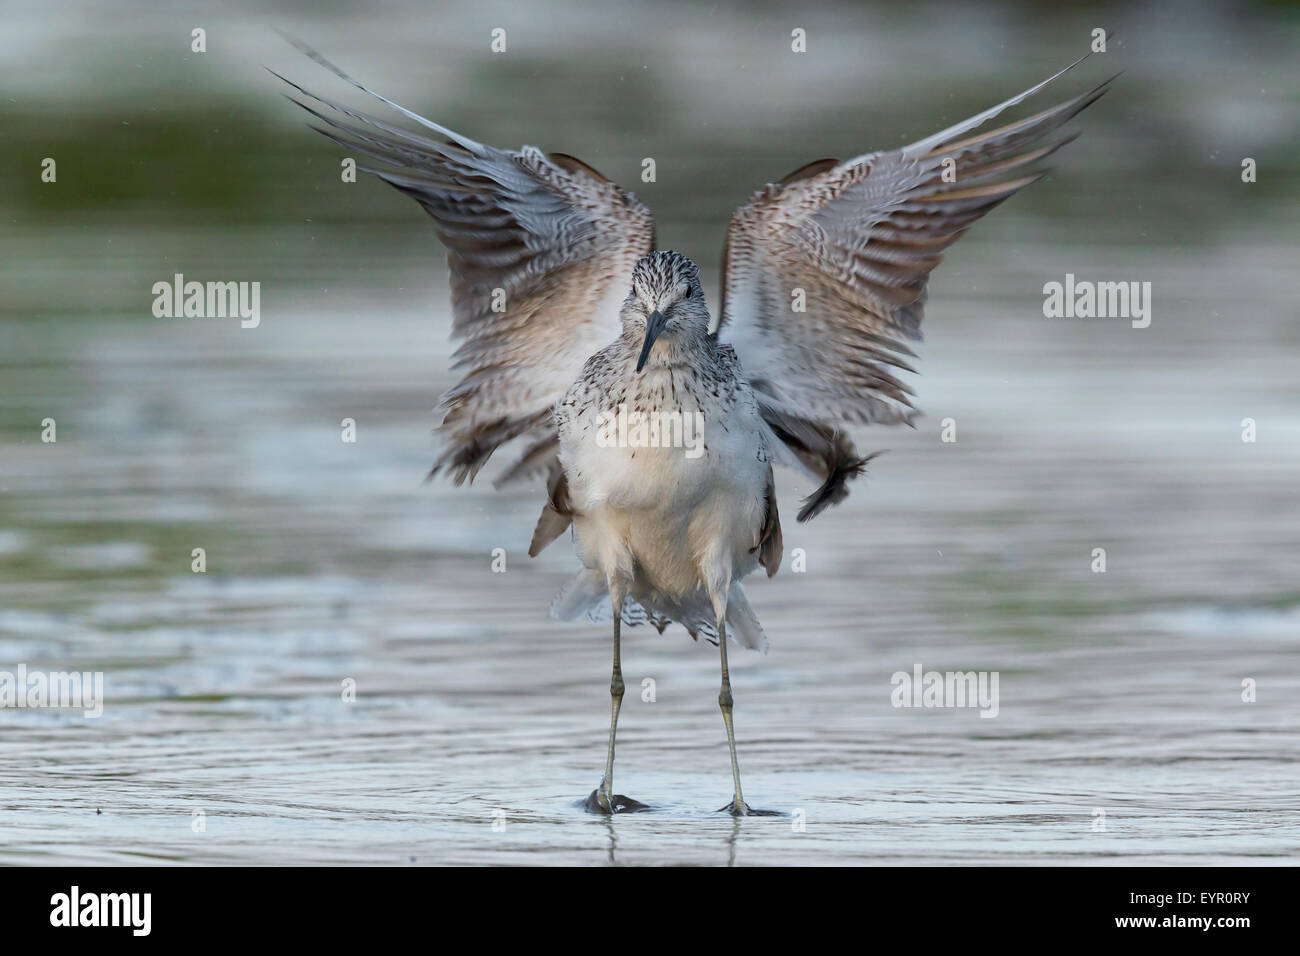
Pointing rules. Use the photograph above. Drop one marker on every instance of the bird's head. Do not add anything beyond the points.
(666, 305)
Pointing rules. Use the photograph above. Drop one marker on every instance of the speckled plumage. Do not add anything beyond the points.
(543, 251)
(571, 328)
(673, 529)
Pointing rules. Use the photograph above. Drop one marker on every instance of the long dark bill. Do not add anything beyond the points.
(654, 324)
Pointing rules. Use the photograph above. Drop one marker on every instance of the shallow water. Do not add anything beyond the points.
(479, 724)
(327, 561)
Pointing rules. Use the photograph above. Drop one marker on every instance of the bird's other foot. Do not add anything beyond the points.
(601, 801)
(743, 809)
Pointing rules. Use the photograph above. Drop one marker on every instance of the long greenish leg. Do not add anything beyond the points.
(604, 799)
(725, 701)
(615, 705)
(737, 807)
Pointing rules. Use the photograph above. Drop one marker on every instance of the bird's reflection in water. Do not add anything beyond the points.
(732, 835)
(732, 840)
(613, 841)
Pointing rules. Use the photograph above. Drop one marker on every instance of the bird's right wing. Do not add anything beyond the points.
(540, 249)
(854, 243)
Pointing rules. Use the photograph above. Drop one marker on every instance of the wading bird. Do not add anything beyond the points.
(567, 314)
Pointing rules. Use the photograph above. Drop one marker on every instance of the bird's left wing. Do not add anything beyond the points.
(825, 275)
(540, 248)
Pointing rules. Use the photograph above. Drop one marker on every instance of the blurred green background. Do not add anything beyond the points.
(164, 154)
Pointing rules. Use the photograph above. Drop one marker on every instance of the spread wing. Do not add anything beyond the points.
(854, 243)
(540, 249)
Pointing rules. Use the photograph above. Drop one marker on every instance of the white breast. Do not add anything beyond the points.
(646, 454)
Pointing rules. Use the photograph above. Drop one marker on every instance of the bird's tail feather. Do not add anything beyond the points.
(587, 595)
(742, 623)
(584, 595)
